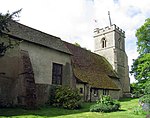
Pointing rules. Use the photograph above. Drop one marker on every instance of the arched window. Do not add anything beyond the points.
(103, 42)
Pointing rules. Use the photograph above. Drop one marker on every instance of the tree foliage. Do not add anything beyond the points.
(4, 20)
(77, 44)
(141, 66)
(4, 23)
(143, 35)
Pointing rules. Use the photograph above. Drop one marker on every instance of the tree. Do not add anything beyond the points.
(143, 36)
(4, 23)
(77, 44)
(141, 66)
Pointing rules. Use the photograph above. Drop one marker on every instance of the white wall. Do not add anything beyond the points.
(42, 59)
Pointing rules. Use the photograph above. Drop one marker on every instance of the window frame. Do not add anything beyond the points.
(103, 43)
(95, 92)
(56, 75)
(105, 92)
(81, 90)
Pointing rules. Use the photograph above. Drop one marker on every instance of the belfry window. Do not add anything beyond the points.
(103, 42)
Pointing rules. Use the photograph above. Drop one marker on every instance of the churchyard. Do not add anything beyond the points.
(129, 109)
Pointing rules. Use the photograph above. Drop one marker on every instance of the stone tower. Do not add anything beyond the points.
(110, 43)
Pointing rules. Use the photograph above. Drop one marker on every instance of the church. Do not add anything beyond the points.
(41, 60)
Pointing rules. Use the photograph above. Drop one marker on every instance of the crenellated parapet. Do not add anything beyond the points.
(102, 31)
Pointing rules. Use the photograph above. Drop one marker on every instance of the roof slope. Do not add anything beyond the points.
(91, 68)
(32, 35)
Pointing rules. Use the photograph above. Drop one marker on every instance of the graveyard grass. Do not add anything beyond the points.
(128, 107)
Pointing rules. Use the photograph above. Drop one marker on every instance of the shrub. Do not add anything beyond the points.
(138, 111)
(145, 99)
(105, 100)
(52, 94)
(105, 104)
(147, 87)
(65, 96)
(103, 108)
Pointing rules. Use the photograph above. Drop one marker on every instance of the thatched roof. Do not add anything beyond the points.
(91, 68)
(35, 36)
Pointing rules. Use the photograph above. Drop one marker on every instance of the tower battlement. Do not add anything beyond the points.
(102, 31)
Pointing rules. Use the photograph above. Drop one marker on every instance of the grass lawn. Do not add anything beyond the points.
(126, 111)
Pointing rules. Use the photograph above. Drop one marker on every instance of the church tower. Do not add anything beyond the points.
(110, 43)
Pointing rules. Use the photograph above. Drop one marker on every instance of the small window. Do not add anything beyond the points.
(95, 92)
(81, 90)
(103, 42)
(105, 92)
(57, 74)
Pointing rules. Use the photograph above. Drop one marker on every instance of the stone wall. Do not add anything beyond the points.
(42, 59)
(26, 74)
(27, 95)
(88, 92)
(113, 93)
(42, 93)
(5, 92)
(9, 69)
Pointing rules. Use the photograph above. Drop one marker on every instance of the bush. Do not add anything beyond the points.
(52, 94)
(65, 97)
(138, 110)
(145, 99)
(105, 104)
(103, 108)
(105, 100)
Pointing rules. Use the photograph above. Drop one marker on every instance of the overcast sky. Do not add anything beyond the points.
(73, 20)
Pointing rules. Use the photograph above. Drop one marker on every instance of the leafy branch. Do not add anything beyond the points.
(4, 23)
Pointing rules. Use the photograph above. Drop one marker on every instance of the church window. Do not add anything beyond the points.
(103, 42)
(105, 92)
(95, 92)
(81, 90)
(57, 74)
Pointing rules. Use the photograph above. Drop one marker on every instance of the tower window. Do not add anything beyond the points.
(103, 42)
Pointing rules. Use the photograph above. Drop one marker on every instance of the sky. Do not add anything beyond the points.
(73, 20)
